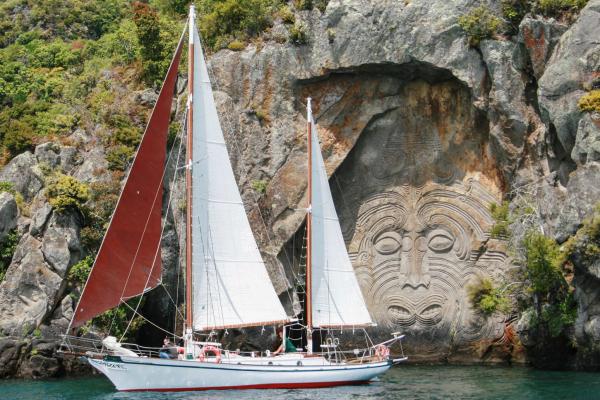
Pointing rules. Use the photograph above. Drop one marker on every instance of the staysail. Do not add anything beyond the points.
(129, 262)
(230, 280)
(336, 297)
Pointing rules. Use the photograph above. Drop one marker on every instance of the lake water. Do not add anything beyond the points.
(403, 382)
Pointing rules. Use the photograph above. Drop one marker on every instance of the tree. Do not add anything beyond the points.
(151, 48)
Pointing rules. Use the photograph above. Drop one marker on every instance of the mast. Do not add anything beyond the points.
(309, 234)
(188, 179)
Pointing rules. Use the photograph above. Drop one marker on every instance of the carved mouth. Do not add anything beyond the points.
(429, 311)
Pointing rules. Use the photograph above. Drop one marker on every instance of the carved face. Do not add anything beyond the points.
(412, 197)
(416, 249)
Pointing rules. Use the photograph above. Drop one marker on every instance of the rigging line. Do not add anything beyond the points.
(219, 281)
(171, 298)
(152, 323)
(179, 238)
(206, 243)
(159, 190)
(255, 198)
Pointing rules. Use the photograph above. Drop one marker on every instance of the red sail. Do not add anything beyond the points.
(128, 262)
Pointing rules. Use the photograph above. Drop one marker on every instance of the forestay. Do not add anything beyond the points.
(231, 286)
(336, 296)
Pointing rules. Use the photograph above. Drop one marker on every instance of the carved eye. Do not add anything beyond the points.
(431, 311)
(440, 241)
(388, 243)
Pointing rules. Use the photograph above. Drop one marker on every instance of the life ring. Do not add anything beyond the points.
(207, 349)
(382, 351)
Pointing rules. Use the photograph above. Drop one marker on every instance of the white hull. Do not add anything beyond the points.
(152, 374)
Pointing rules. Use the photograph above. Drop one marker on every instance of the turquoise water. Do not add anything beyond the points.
(404, 382)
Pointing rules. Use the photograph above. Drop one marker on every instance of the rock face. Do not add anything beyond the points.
(29, 291)
(21, 173)
(420, 134)
(8, 214)
(574, 63)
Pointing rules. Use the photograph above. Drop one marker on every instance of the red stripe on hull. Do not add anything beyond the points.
(305, 385)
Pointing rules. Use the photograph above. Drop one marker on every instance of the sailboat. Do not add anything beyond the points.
(227, 285)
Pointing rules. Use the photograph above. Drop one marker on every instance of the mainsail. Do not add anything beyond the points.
(336, 297)
(230, 280)
(129, 262)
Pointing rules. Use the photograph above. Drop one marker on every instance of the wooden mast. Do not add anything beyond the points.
(188, 180)
(308, 294)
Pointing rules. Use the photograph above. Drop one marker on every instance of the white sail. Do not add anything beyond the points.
(230, 283)
(336, 296)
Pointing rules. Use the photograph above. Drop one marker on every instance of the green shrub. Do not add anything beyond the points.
(236, 45)
(222, 21)
(120, 47)
(115, 321)
(22, 205)
(561, 315)
(7, 250)
(260, 186)
(59, 119)
(103, 199)
(53, 55)
(500, 214)
(513, 12)
(64, 191)
(80, 271)
(555, 307)
(585, 244)
(118, 157)
(287, 15)
(173, 133)
(590, 101)
(18, 138)
(486, 298)
(173, 7)
(321, 5)
(128, 136)
(298, 34)
(543, 261)
(479, 24)
(553, 8)
(7, 187)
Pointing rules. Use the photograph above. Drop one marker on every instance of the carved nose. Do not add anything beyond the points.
(414, 274)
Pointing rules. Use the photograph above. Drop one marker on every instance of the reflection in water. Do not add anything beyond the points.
(405, 382)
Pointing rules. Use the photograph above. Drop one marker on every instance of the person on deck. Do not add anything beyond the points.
(286, 345)
(168, 350)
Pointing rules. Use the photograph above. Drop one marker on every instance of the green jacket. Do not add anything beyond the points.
(289, 346)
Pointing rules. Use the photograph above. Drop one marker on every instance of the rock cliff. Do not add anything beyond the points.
(421, 134)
